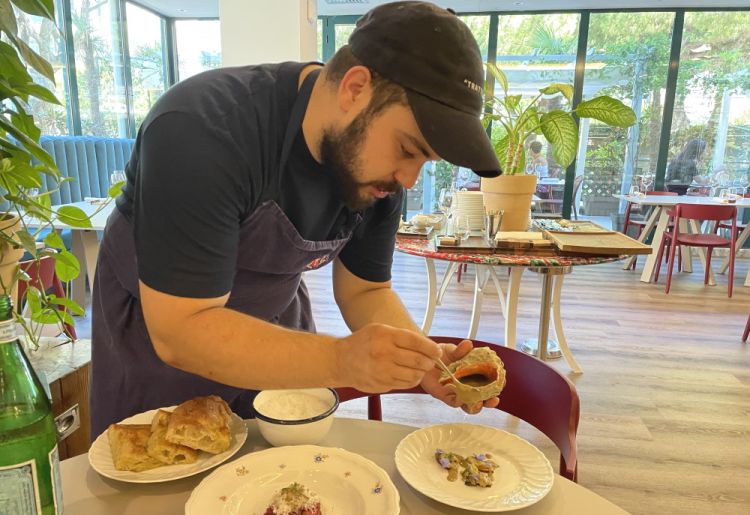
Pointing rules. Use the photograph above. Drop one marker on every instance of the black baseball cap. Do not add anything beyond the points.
(433, 55)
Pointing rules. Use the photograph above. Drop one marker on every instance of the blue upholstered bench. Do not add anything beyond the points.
(88, 160)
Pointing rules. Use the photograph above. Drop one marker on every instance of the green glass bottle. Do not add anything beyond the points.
(29, 462)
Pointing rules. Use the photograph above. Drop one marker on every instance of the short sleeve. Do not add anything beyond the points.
(369, 254)
(190, 196)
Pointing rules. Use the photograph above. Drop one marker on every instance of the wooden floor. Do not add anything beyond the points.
(665, 393)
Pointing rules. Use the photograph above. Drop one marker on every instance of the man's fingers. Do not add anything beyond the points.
(409, 340)
(413, 360)
(461, 350)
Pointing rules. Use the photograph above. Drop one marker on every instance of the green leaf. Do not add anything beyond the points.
(32, 146)
(34, 298)
(44, 8)
(39, 91)
(71, 305)
(501, 151)
(25, 122)
(115, 190)
(553, 89)
(527, 121)
(14, 71)
(73, 216)
(7, 18)
(27, 241)
(66, 266)
(51, 316)
(35, 60)
(499, 76)
(54, 240)
(562, 132)
(513, 101)
(608, 110)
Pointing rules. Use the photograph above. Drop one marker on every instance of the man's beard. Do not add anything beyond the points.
(339, 152)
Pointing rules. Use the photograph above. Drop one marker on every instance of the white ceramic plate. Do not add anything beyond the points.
(346, 483)
(100, 456)
(524, 475)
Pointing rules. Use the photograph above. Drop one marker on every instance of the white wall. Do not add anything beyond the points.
(267, 31)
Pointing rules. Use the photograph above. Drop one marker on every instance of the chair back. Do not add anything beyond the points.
(709, 212)
(534, 392)
(41, 274)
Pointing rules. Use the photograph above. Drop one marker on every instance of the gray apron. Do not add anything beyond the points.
(127, 375)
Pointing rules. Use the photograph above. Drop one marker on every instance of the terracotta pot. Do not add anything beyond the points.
(512, 194)
(9, 256)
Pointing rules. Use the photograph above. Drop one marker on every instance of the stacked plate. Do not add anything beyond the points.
(470, 204)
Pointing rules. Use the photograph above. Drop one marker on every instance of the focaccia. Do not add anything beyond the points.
(166, 452)
(201, 423)
(128, 446)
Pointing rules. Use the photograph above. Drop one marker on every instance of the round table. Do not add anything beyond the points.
(551, 267)
(87, 493)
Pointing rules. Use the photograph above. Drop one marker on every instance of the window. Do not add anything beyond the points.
(534, 51)
(198, 46)
(631, 66)
(99, 68)
(44, 38)
(146, 59)
(711, 122)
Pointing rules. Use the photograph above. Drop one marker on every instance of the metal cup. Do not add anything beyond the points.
(492, 221)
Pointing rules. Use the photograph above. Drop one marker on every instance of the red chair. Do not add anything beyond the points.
(707, 213)
(43, 277)
(534, 392)
(640, 224)
(747, 330)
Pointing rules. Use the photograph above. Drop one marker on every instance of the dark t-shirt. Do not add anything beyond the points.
(207, 155)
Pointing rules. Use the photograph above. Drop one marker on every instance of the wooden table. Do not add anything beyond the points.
(85, 243)
(552, 269)
(87, 493)
(658, 221)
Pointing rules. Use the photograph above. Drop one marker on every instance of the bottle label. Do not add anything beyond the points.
(19, 490)
(8, 331)
(54, 466)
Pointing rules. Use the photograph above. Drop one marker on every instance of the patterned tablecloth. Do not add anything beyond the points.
(426, 248)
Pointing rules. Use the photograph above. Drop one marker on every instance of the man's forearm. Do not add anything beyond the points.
(235, 349)
(379, 305)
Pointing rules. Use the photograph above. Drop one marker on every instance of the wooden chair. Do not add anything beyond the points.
(704, 213)
(43, 277)
(534, 392)
(747, 330)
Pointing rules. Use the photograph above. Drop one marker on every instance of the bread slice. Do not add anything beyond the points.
(128, 446)
(166, 452)
(201, 423)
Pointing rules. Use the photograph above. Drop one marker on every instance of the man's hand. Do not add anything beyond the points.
(447, 394)
(379, 358)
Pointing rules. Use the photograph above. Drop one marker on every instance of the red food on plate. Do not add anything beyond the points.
(294, 499)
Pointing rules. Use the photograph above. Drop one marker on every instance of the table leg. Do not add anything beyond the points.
(452, 267)
(696, 229)
(741, 239)
(542, 347)
(431, 295)
(85, 247)
(511, 306)
(650, 266)
(653, 217)
(480, 281)
(557, 321)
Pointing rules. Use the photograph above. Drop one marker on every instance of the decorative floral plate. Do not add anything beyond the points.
(100, 457)
(523, 477)
(346, 483)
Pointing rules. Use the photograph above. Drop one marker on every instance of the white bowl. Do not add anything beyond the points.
(295, 417)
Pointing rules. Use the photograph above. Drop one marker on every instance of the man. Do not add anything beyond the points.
(243, 178)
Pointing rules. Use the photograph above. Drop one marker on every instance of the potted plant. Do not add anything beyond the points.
(23, 162)
(517, 120)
